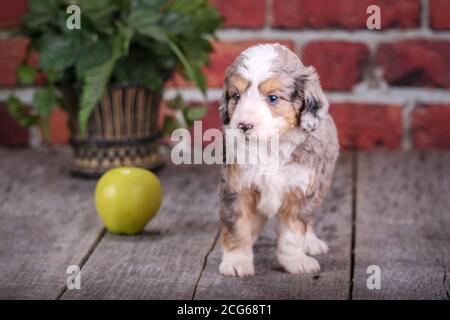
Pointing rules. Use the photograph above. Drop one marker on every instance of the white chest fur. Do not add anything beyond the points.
(275, 183)
(273, 186)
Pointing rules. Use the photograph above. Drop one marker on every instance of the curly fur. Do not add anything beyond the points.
(308, 150)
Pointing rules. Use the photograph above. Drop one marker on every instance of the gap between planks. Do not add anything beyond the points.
(205, 261)
(353, 219)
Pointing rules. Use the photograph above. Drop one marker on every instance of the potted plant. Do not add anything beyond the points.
(110, 73)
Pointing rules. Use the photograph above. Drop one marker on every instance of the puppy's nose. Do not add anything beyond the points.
(245, 126)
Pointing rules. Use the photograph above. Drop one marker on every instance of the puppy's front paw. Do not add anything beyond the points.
(299, 263)
(313, 245)
(237, 267)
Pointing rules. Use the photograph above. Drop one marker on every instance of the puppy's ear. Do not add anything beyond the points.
(314, 103)
(223, 108)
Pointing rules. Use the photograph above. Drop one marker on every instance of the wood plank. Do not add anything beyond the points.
(47, 222)
(333, 225)
(166, 260)
(403, 225)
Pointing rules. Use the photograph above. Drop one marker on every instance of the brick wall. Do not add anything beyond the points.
(388, 88)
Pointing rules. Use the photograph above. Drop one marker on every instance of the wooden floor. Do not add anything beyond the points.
(391, 210)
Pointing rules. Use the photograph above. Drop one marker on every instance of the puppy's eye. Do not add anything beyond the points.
(236, 96)
(272, 99)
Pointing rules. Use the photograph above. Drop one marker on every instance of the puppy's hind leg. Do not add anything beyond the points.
(290, 245)
(311, 244)
(258, 222)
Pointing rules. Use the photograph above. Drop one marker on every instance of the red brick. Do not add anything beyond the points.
(59, 130)
(439, 10)
(212, 117)
(211, 120)
(430, 127)
(11, 12)
(346, 14)
(223, 55)
(340, 64)
(12, 54)
(11, 133)
(368, 126)
(416, 63)
(33, 60)
(244, 14)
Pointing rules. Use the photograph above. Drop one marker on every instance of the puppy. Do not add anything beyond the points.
(269, 93)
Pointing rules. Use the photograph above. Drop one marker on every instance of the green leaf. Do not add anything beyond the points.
(89, 6)
(45, 126)
(199, 79)
(196, 113)
(126, 34)
(147, 4)
(42, 7)
(170, 124)
(40, 13)
(145, 21)
(156, 32)
(194, 74)
(149, 29)
(92, 56)
(13, 104)
(138, 71)
(177, 103)
(45, 100)
(57, 52)
(26, 74)
(140, 19)
(53, 75)
(20, 113)
(177, 23)
(96, 80)
(99, 14)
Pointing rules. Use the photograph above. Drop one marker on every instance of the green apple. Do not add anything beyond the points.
(127, 198)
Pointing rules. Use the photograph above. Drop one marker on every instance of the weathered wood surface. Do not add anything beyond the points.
(403, 225)
(166, 261)
(47, 222)
(270, 282)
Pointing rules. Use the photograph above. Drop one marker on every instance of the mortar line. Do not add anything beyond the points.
(304, 36)
(407, 110)
(424, 14)
(268, 14)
